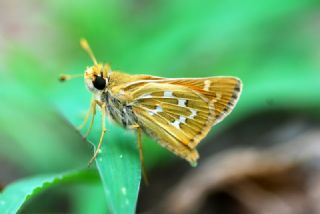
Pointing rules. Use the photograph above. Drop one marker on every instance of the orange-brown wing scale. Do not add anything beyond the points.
(175, 115)
(223, 91)
(179, 113)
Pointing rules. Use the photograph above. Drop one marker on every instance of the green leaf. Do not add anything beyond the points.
(118, 162)
(17, 194)
(37, 136)
(92, 202)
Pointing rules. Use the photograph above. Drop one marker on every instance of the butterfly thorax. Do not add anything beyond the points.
(106, 86)
(120, 111)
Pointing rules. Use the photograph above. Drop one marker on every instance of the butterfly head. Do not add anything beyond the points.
(96, 77)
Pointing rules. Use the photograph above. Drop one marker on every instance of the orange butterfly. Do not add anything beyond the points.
(177, 112)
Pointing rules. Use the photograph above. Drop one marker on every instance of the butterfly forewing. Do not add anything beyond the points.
(179, 113)
(222, 91)
(175, 115)
(155, 127)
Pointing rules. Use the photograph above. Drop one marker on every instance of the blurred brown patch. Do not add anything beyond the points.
(281, 179)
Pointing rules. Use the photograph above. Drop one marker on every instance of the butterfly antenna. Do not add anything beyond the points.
(85, 45)
(65, 77)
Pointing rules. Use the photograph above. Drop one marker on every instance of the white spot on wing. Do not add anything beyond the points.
(207, 84)
(157, 110)
(146, 96)
(182, 103)
(193, 113)
(177, 122)
(182, 119)
(168, 94)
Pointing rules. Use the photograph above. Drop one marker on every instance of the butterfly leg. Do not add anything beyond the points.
(93, 110)
(96, 152)
(139, 144)
(86, 118)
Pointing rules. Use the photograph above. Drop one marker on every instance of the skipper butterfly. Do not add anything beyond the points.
(177, 112)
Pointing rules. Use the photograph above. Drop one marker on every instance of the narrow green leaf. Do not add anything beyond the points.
(118, 162)
(17, 194)
(93, 201)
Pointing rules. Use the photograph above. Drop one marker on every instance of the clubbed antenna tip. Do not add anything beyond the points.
(65, 77)
(85, 45)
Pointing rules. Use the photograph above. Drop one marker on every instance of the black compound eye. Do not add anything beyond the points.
(99, 83)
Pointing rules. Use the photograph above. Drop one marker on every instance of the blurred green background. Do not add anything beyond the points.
(273, 46)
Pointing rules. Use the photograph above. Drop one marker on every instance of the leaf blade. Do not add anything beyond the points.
(18, 193)
(118, 162)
